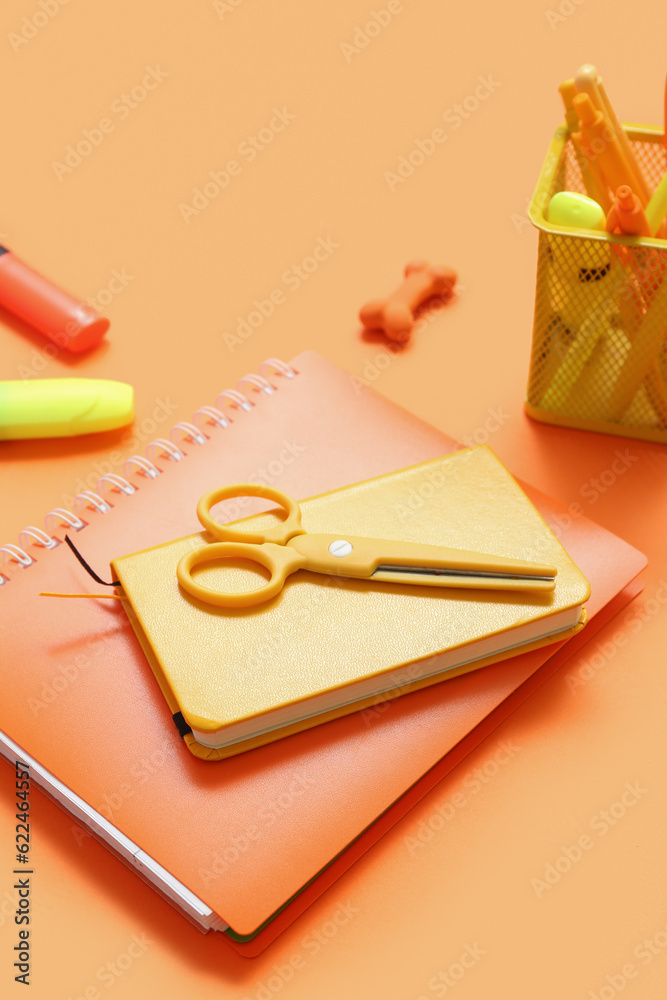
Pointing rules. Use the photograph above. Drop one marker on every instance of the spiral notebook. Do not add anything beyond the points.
(89, 707)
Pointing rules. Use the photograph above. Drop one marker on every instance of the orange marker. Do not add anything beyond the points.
(25, 293)
(601, 143)
(587, 81)
(627, 215)
(568, 92)
(591, 175)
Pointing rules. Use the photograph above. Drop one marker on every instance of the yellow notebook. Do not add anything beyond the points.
(238, 678)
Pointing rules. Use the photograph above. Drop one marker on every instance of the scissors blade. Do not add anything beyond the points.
(463, 578)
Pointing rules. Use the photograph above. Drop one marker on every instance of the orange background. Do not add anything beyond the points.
(412, 909)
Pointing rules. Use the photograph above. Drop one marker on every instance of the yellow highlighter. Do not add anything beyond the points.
(63, 407)
(575, 211)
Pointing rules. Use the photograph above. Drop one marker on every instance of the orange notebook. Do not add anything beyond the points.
(215, 839)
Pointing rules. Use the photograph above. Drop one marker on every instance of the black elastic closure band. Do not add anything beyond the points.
(181, 724)
(91, 572)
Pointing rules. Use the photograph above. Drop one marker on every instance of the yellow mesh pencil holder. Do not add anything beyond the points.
(599, 351)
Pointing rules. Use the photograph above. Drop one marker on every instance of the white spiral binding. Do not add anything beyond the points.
(278, 366)
(186, 430)
(204, 420)
(89, 499)
(236, 400)
(145, 466)
(166, 448)
(39, 537)
(11, 551)
(117, 483)
(60, 514)
(210, 415)
(258, 383)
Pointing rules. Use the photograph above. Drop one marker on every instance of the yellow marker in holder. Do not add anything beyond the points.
(647, 343)
(656, 210)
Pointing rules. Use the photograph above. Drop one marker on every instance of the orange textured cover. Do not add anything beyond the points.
(246, 836)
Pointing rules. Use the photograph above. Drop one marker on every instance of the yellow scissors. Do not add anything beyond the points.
(287, 547)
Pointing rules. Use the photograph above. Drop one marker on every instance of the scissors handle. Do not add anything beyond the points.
(265, 546)
(280, 533)
(281, 561)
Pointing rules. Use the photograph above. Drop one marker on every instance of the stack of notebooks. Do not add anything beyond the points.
(105, 684)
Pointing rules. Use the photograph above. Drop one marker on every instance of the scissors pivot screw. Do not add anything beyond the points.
(340, 547)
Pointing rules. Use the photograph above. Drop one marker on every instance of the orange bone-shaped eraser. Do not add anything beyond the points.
(395, 314)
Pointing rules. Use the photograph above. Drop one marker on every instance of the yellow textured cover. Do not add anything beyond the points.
(220, 667)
